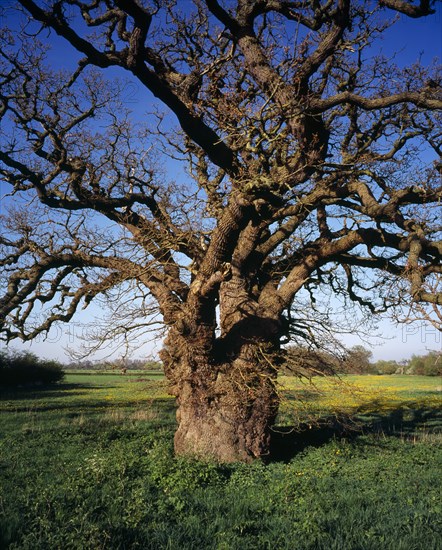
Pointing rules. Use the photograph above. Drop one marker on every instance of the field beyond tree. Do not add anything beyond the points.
(88, 463)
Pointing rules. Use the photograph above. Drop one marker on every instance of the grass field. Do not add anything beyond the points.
(88, 464)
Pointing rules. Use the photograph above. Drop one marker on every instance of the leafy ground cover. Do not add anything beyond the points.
(88, 464)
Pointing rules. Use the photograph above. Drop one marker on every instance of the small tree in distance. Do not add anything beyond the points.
(311, 164)
(388, 367)
(358, 360)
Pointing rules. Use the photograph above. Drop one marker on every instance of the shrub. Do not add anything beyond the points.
(388, 367)
(17, 368)
(426, 365)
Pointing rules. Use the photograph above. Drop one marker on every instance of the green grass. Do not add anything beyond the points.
(88, 464)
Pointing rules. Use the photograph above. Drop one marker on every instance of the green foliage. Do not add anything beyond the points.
(421, 365)
(387, 367)
(80, 471)
(358, 360)
(21, 368)
(426, 365)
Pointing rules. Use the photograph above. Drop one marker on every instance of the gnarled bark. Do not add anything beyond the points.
(230, 419)
(226, 386)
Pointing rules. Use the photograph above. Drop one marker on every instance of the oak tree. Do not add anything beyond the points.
(311, 165)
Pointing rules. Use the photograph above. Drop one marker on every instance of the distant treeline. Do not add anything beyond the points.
(124, 365)
(23, 368)
(358, 360)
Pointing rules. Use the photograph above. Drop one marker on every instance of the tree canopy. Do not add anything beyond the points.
(313, 165)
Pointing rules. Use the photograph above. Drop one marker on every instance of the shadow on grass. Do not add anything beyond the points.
(402, 421)
(45, 391)
(288, 441)
(301, 395)
(166, 407)
(72, 399)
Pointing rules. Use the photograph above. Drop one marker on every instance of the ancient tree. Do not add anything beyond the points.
(310, 161)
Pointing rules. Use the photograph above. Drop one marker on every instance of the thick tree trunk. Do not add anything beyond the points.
(225, 409)
(225, 385)
(229, 422)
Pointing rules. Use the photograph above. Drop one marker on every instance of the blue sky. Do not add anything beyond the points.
(411, 39)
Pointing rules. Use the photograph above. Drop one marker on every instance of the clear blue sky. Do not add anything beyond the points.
(410, 39)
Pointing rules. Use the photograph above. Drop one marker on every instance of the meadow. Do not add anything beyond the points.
(88, 464)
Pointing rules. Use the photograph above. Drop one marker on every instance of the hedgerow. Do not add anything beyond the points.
(22, 368)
